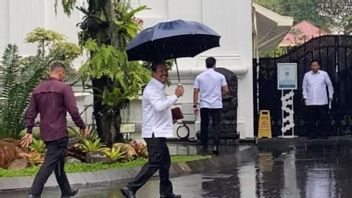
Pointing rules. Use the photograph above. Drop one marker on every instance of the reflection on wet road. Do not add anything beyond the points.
(317, 172)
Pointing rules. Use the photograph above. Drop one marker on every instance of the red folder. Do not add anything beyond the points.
(176, 113)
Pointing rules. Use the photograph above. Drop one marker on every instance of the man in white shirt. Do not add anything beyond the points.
(211, 85)
(157, 126)
(317, 100)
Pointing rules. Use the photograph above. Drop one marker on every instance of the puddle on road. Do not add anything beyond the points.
(312, 172)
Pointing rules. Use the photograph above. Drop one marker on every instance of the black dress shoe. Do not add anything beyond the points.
(32, 196)
(73, 193)
(170, 196)
(128, 193)
(216, 152)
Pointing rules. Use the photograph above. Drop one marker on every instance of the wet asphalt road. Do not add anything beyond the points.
(314, 172)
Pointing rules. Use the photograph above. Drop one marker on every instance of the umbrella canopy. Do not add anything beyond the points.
(173, 39)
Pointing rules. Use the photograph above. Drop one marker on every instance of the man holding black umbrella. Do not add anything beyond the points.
(164, 41)
(157, 126)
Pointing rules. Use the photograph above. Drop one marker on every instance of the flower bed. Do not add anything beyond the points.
(81, 155)
(84, 167)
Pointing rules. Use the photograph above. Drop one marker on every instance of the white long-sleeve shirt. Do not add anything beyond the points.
(157, 117)
(314, 88)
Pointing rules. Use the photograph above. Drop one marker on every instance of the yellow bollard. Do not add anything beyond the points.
(264, 127)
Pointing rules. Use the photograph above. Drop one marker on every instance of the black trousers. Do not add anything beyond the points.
(205, 115)
(158, 159)
(54, 161)
(318, 120)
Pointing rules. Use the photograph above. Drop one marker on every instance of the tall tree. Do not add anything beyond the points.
(298, 9)
(107, 27)
(338, 14)
(332, 15)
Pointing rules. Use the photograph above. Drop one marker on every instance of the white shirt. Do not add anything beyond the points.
(210, 84)
(157, 117)
(314, 88)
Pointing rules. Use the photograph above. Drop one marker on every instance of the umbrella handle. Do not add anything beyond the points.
(178, 74)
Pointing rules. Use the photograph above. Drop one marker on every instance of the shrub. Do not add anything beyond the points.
(21, 74)
(91, 145)
(38, 146)
(115, 154)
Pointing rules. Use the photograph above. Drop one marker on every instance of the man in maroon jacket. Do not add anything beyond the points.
(52, 99)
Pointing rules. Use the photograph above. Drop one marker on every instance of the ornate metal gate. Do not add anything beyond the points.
(335, 55)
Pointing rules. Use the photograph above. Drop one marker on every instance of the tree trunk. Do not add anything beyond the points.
(108, 120)
(97, 104)
(118, 137)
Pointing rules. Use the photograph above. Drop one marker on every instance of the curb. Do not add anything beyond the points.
(243, 155)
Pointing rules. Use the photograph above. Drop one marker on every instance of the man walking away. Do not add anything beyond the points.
(317, 100)
(52, 99)
(211, 86)
(157, 126)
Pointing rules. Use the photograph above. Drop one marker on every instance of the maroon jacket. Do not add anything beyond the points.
(52, 99)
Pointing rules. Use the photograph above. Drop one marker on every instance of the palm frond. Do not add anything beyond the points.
(19, 81)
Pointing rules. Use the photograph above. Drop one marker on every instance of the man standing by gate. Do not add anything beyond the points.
(211, 85)
(317, 100)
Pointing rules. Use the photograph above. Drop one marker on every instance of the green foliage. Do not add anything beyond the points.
(38, 146)
(42, 35)
(127, 25)
(83, 167)
(298, 9)
(108, 22)
(279, 51)
(35, 132)
(65, 51)
(338, 14)
(107, 27)
(93, 134)
(114, 154)
(91, 145)
(52, 46)
(56, 45)
(67, 5)
(22, 74)
(127, 77)
(333, 15)
(75, 133)
(18, 84)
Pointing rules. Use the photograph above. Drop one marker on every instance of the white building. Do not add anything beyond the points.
(232, 19)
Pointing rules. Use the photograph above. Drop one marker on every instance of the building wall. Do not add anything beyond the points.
(19, 17)
(230, 18)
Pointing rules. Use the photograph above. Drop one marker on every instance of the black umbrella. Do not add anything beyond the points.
(171, 40)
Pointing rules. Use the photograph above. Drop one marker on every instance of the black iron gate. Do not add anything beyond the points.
(335, 55)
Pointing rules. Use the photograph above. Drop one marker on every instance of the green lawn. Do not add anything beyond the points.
(82, 167)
